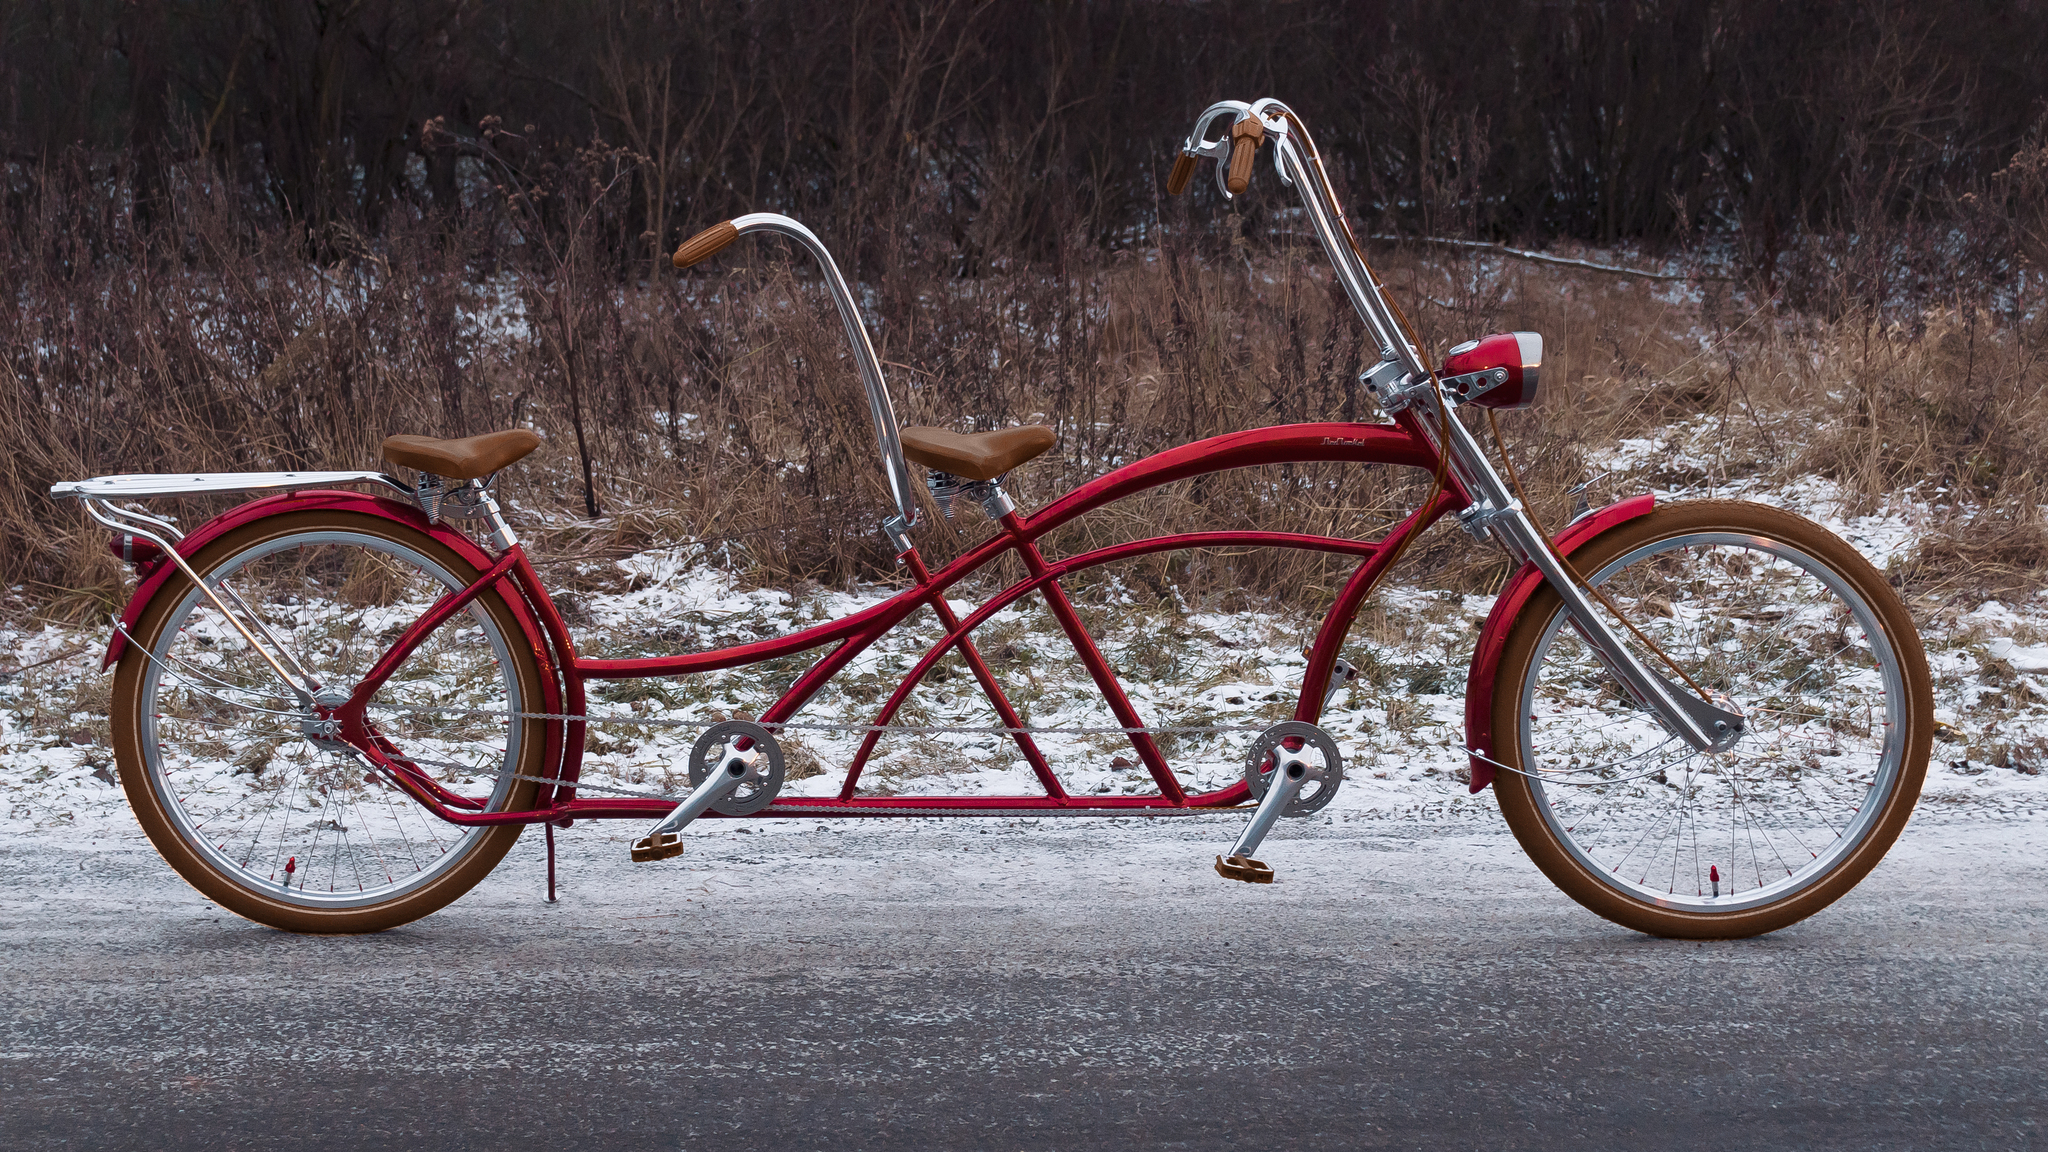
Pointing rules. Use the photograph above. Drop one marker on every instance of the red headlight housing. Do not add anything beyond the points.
(1497, 371)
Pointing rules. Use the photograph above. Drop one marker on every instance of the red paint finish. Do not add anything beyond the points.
(396, 766)
(987, 680)
(564, 673)
(864, 625)
(1330, 637)
(1518, 354)
(239, 515)
(1399, 443)
(1493, 637)
(811, 807)
(1289, 443)
(409, 641)
(1359, 443)
(534, 634)
(561, 687)
(1053, 570)
(1107, 683)
(131, 549)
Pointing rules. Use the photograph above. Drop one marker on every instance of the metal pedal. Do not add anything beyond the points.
(659, 846)
(1244, 868)
(1342, 674)
(1293, 769)
(740, 781)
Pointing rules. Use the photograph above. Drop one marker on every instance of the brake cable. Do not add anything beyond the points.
(1441, 477)
(1529, 509)
(1322, 175)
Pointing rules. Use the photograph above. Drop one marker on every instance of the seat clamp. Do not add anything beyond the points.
(994, 500)
(897, 531)
(428, 493)
(461, 500)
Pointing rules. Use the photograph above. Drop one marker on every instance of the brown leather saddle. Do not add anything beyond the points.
(470, 458)
(970, 456)
(977, 455)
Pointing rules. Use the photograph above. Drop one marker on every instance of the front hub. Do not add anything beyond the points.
(1725, 733)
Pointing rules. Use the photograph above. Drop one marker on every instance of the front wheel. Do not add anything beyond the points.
(248, 795)
(1789, 623)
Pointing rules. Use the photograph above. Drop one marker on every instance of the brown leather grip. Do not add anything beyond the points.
(706, 244)
(1183, 169)
(1245, 137)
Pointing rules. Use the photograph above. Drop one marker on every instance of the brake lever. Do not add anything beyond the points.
(1218, 151)
(1214, 150)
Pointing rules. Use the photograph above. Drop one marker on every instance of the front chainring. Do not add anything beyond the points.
(764, 764)
(1295, 736)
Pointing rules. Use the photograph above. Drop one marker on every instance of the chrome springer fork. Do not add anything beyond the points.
(1403, 378)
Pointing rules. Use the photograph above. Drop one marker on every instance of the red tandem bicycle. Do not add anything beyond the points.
(1701, 719)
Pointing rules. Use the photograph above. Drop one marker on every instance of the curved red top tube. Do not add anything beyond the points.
(1397, 443)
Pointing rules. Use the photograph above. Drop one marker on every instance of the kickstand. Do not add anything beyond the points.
(551, 861)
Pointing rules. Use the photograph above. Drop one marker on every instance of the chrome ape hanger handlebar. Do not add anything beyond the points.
(1404, 378)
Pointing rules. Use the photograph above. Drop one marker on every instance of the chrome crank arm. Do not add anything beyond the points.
(662, 840)
(1286, 786)
(1238, 863)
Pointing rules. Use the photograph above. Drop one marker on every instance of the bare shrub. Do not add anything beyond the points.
(720, 406)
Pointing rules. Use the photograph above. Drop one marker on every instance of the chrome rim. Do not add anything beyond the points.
(248, 777)
(1793, 645)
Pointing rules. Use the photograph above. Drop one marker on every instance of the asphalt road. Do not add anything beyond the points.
(1068, 985)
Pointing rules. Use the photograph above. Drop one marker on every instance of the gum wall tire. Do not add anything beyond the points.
(157, 824)
(1519, 801)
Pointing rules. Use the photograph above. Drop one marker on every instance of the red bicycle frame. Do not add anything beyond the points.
(1419, 436)
(1400, 443)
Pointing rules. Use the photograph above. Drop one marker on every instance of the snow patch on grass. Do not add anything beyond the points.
(1400, 725)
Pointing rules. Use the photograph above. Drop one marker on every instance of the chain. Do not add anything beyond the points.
(782, 725)
(804, 726)
(808, 726)
(584, 785)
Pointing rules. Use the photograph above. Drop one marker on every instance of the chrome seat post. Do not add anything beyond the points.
(468, 500)
(889, 439)
(947, 489)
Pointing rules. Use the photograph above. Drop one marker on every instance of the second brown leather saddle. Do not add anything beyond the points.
(470, 458)
(977, 455)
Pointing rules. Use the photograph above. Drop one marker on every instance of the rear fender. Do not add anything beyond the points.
(1493, 637)
(299, 502)
(515, 597)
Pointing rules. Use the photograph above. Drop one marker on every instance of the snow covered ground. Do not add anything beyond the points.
(1400, 725)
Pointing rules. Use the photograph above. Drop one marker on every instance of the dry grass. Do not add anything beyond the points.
(720, 406)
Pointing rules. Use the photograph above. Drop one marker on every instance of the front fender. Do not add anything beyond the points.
(1493, 638)
(312, 498)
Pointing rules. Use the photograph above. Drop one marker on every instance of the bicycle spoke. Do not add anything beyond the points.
(1771, 811)
(240, 767)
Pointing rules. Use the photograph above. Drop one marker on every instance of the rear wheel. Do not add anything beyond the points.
(242, 789)
(1796, 629)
